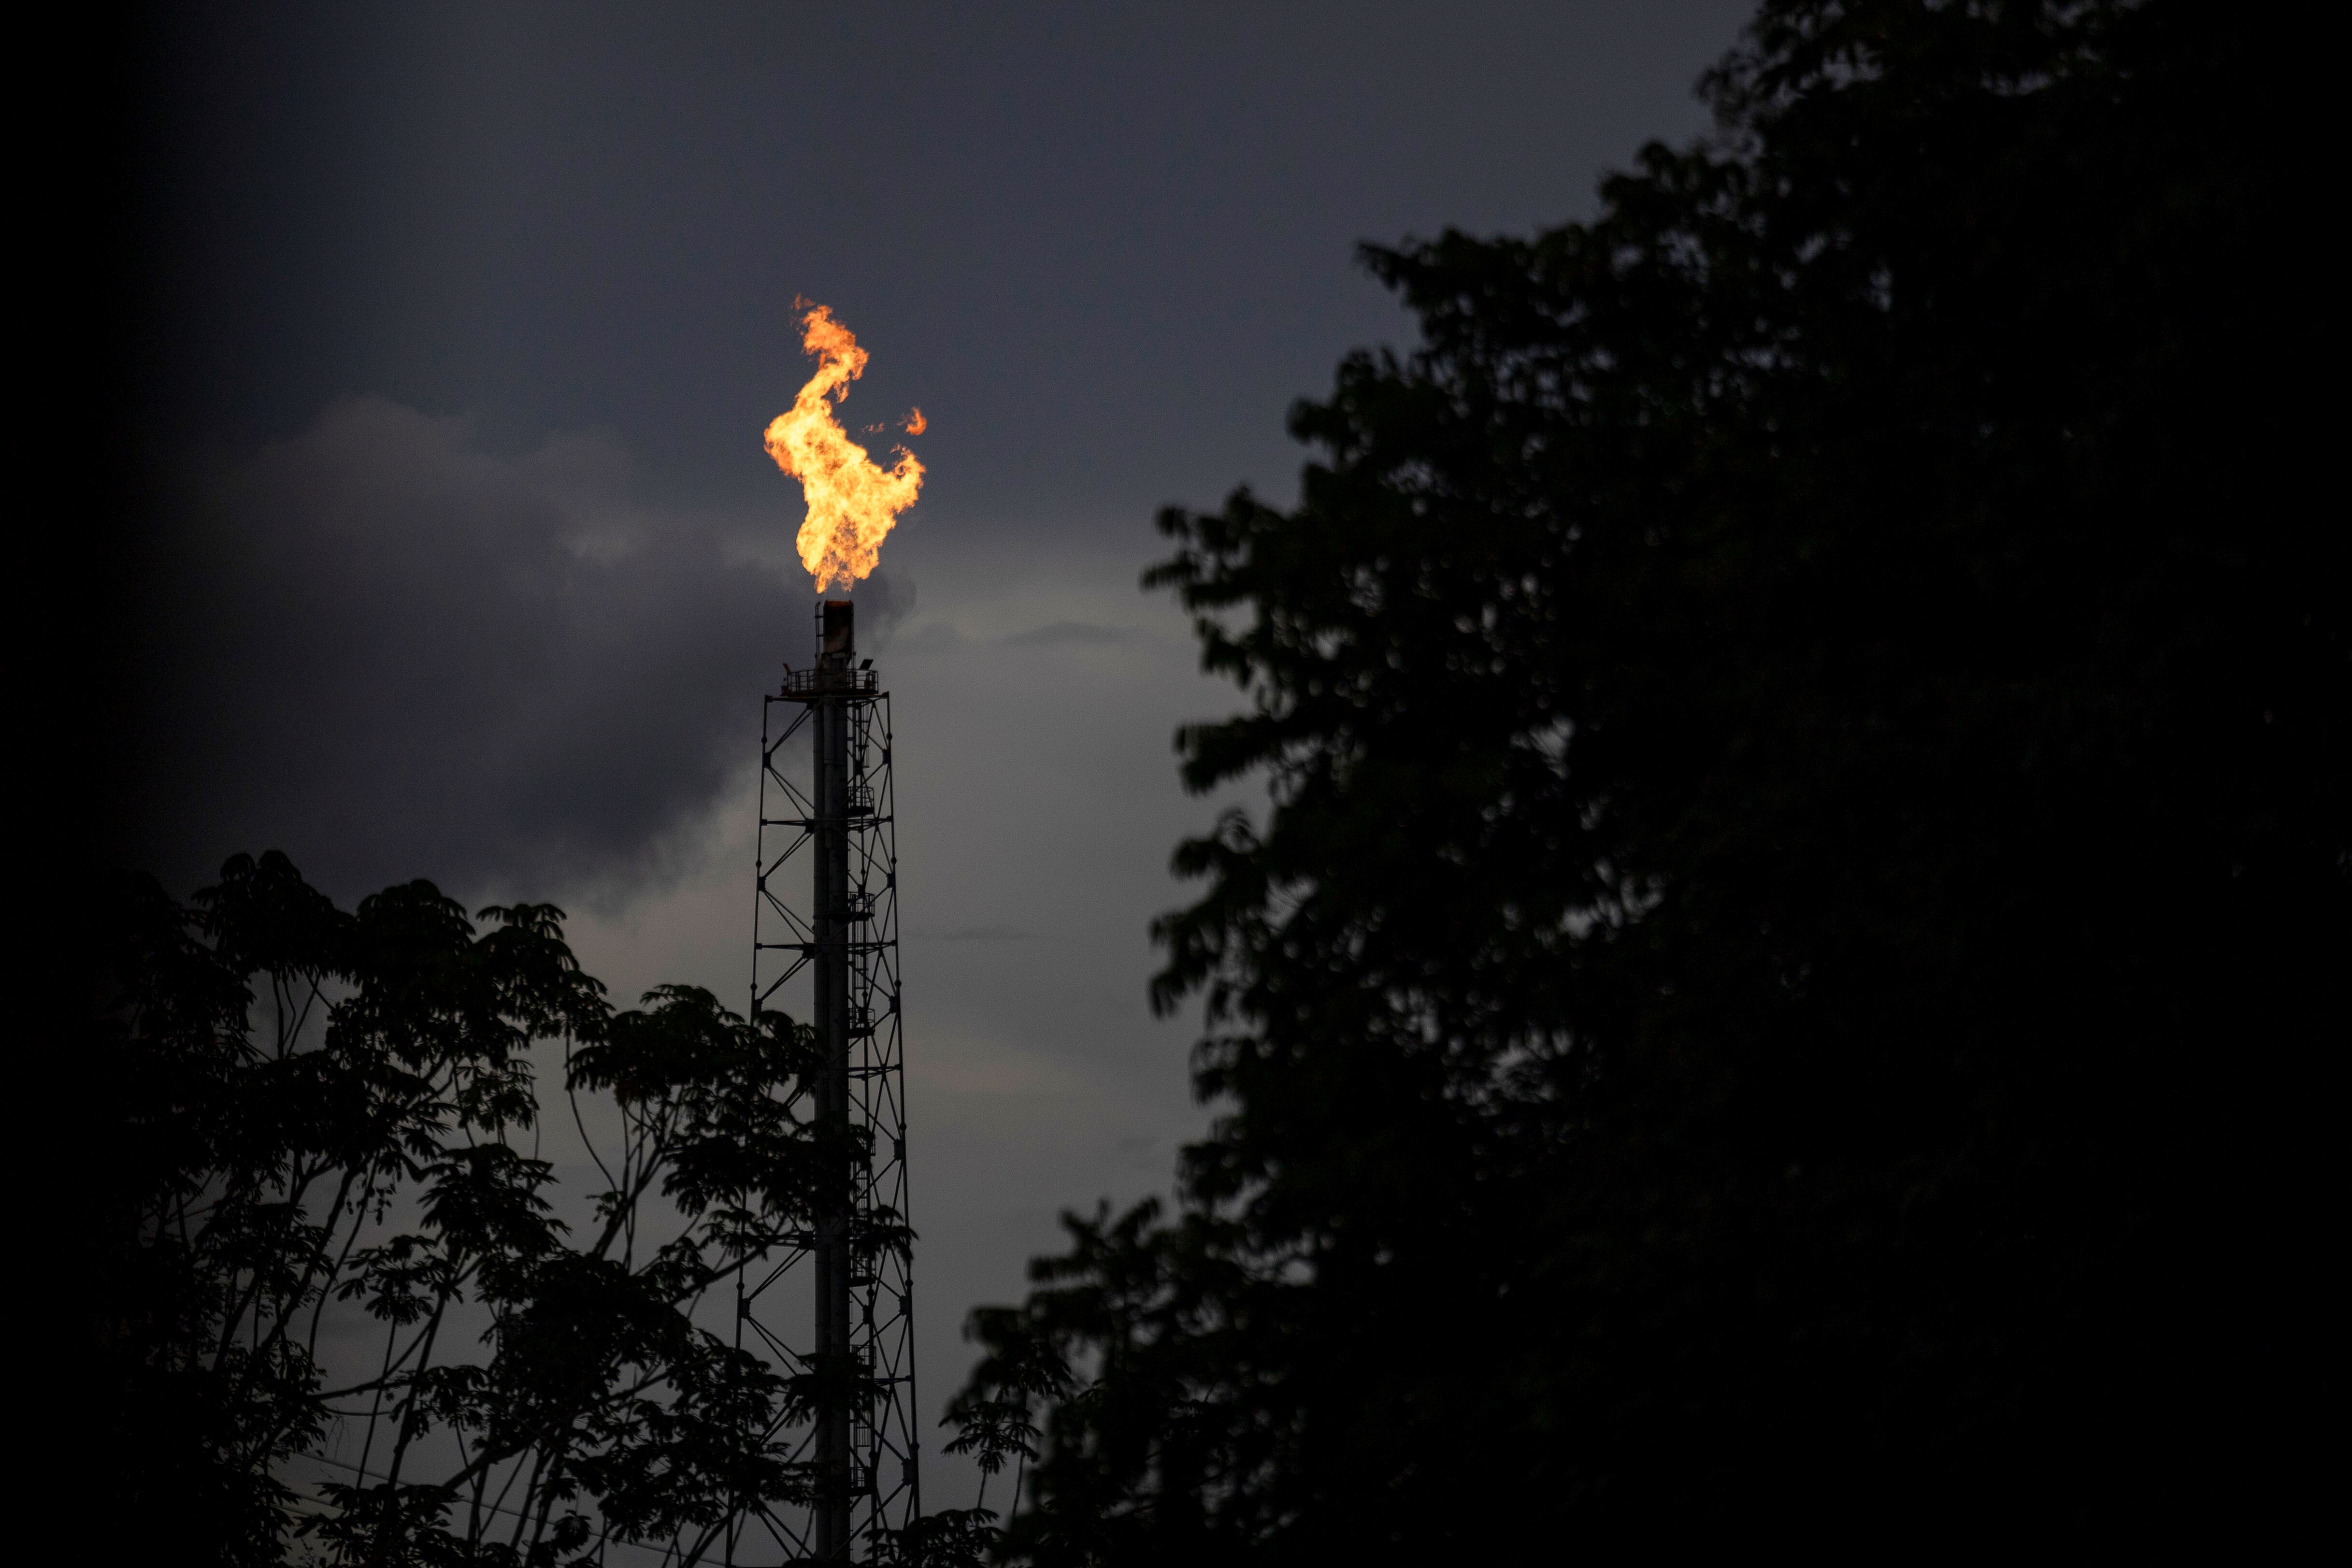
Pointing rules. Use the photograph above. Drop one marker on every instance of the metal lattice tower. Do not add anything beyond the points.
(855, 1314)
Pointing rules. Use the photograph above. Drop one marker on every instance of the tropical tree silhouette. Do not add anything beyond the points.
(1808, 732)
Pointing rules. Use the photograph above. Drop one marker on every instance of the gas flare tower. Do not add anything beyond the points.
(849, 1340)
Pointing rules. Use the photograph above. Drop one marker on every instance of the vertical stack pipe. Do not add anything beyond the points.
(836, 668)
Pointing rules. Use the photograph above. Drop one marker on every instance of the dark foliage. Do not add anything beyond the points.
(1808, 869)
(324, 1135)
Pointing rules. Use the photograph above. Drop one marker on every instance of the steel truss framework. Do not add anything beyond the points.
(832, 839)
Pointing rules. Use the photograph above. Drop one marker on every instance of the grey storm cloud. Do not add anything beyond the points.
(1083, 634)
(392, 655)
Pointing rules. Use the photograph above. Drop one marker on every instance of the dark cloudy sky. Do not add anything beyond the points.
(465, 323)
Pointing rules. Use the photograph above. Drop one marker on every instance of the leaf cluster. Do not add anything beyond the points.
(332, 1122)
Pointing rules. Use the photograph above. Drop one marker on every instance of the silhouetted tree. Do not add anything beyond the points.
(1808, 730)
(326, 1125)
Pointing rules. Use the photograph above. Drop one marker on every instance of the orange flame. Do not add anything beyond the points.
(851, 500)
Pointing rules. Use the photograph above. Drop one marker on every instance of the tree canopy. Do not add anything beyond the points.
(1810, 807)
(332, 1212)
